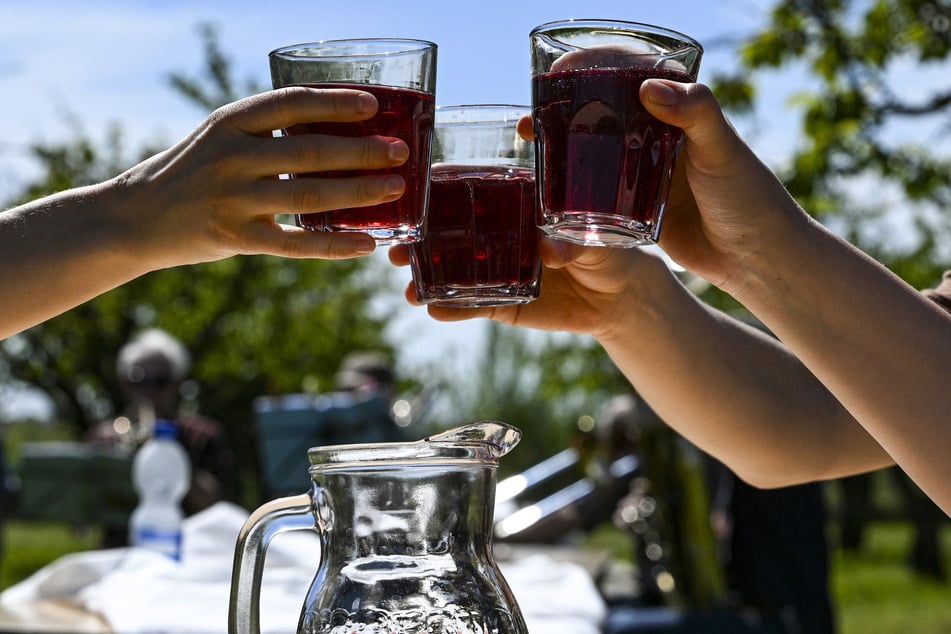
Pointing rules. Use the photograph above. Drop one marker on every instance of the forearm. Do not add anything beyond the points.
(59, 252)
(879, 350)
(880, 347)
(213, 195)
(734, 391)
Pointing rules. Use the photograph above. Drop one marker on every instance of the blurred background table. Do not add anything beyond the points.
(134, 591)
(41, 615)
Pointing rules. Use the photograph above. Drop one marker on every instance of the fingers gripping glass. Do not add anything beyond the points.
(603, 163)
(402, 75)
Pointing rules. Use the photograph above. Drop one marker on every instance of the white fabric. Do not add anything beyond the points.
(140, 592)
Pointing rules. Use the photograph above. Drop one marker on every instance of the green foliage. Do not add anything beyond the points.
(28, 546)
(859, 54)
(215, 86)
(542, 384)
(876, 591)
(734, 93)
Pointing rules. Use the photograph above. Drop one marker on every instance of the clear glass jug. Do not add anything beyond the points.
(405, 534)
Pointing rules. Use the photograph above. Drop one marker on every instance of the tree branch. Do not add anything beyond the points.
(933, 106)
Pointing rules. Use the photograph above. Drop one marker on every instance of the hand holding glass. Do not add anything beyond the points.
(401, 74)
(604, 164)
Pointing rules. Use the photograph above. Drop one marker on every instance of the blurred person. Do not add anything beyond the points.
(213, 195)
(856, 378)
(367, 378)
(151, 369)
(366, 372)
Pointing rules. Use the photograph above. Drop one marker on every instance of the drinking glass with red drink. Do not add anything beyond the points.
(401, 74)
(603, 163)
(481, 241)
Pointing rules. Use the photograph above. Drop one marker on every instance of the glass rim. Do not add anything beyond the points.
(388, 46)
(397, 455)
(616, 25)
(489, 109)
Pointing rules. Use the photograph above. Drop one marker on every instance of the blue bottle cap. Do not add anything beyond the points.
(164, 429)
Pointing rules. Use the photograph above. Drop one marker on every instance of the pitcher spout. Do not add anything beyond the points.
(501, 438)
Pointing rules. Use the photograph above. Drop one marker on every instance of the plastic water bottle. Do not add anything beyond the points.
(161, 474)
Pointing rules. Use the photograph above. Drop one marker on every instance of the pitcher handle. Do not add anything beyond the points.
(283, 514)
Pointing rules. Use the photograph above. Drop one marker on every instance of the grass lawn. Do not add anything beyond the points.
(876, 593)
(28, 546)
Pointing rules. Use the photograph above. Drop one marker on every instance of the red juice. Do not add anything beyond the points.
(481, 242)
(599, 153)
(404, 114)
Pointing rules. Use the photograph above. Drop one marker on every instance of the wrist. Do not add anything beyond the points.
(112, 219)
(760, 271)
(651, 297)
(60, 251)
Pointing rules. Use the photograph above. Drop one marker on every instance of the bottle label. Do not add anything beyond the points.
(168, 543)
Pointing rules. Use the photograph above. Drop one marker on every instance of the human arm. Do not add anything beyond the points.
(733, 390)
(880, 347)
(213, 195)
(823, 405)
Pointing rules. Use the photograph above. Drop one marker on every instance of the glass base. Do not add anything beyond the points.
(482, 296)
(400, 235)
(403, 234)
(392, 235)
(603, 230)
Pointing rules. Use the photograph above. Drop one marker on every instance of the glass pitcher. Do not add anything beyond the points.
(405, 539)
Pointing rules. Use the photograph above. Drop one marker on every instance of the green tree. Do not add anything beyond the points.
(866, 160)
(542, 383)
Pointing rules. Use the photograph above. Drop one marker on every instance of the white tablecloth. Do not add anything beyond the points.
(140, 592)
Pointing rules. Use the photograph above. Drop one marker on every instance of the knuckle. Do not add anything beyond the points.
(369, 191)
(338, 105)
(306, 198)
(370, 153)
(222, 117)
(291, 248)
(280, 102)
(228, 165)
(308, 152)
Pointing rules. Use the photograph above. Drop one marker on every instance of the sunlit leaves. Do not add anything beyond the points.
(734, 94)
(864, 56)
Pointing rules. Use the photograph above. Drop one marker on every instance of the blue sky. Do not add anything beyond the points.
(104, 62)
(107, 61)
